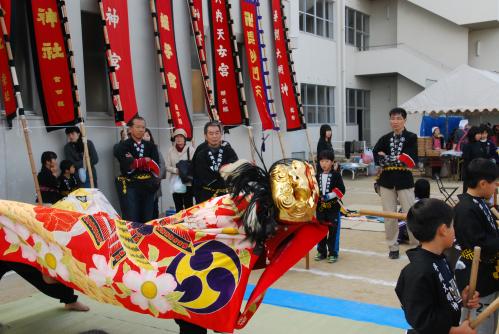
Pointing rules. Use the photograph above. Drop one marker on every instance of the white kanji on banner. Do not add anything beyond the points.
(222, 52)
(111, 17)
(220, 35)
(284, 89)
(223, 69)
(115, 61)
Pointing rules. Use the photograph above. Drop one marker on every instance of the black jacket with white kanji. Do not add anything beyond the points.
(475, 225)
(395, 147)
(428, 293)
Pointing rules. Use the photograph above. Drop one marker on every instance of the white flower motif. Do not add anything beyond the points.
(51, 256)
(17, 234)
(102, 274)
(150, 289)
(238, 241)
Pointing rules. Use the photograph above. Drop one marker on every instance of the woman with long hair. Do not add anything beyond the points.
(325, 142)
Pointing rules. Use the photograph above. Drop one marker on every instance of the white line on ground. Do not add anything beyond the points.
(346, 277)
(369, 253)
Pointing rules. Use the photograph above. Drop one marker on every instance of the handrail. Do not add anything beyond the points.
(408, 48)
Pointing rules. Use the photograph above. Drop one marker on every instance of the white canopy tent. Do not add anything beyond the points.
(465, 89)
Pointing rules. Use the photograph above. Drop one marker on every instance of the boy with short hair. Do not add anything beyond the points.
(47, 178)
(67, 180)
(476, 226)
(426, 287)
(332, 189)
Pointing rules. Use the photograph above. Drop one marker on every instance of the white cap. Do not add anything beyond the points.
(463, 123)
(433, 129)
(179, 132)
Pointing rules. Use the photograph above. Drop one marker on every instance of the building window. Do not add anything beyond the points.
(358, 102)
(316, 17)
(357, 29)
(97, 86)
(318, 103)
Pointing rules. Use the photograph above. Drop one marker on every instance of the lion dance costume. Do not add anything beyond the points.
(192, 266)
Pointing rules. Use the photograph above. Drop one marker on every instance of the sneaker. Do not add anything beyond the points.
(320, 257)
(332, 258)
(394, 255)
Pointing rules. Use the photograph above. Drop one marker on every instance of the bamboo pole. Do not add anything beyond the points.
(268, 87)
(86, 156)
(485, 314)
(474, 275)
(20, 105)
(208, 92)
(115, 85)
(152, 5)
(383, 214)
(242, 92)
(295, 84)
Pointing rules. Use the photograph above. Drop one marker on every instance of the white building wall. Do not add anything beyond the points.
(483, 50)
(462, 12)
(431, 36)
(383, 23)
(406, 89)
(383, 99)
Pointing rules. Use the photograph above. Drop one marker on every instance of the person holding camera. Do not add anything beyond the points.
(178, 174)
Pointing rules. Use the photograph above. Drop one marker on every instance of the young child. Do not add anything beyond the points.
(331, 188)
(476, 226)
(67, 180)
(426, 287)
(47, 178)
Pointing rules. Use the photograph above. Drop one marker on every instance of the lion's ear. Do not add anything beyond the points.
(230, 170)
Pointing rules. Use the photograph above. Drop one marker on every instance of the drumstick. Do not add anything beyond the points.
(474, 275)
(485, 314)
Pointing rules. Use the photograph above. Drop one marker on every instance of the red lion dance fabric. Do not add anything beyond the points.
(193, 266)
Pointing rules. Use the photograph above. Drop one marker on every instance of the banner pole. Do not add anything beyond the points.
(69, 45)
(243, 93)
(152, 5)
(20, 105)
(212, 110)
(269, 89)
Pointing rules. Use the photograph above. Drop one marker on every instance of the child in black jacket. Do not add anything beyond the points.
(426, 287)
(476, 226)
(331, 188)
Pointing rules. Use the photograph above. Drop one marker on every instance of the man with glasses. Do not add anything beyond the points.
(206, 162)
(396, 154)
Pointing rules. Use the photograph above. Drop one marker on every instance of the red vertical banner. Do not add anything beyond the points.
(170, 68)
(255, 61)
(226, 78)
(8, 93)
(52, 68)
(119, 58)
(287, 83)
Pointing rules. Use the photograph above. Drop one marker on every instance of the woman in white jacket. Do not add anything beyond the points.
(180, 150)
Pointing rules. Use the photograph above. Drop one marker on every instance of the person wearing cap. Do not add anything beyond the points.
(180, 150)
(396, 154)
(73, 151)
(461, 135)
(206, 163)
(437, 144)
(140, 172)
